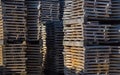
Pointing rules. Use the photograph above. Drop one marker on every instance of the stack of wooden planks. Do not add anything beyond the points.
(54, 44)
(20, 41)
(34, 42)
(13, 26)
(91, 38)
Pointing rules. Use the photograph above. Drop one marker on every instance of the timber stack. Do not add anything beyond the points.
(52, 36)
(34, 43)
(13, 36)
(91, 38)
(20, 47)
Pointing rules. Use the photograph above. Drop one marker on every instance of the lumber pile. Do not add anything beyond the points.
(67, 5)
(34, 43)
(50, 10)
(13, 26)
(52, 36)
(58, 29)
(54, 44)
(20, 40)
(91, 38)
